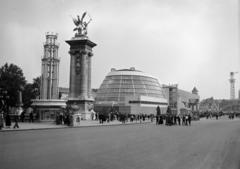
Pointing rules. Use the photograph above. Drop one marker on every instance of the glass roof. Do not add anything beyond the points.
(119, 84)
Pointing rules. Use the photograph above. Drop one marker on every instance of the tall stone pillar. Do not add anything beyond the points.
(80, 101)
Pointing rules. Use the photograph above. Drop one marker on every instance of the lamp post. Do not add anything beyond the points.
(3, 106)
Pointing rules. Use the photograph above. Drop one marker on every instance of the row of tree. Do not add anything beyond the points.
(12, 80)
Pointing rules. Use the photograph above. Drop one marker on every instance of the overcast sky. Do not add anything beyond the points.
(189, 42)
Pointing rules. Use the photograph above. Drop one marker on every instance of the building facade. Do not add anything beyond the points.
(220, 105)
(181, 101)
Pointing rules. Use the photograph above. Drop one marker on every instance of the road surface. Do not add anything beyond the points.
(207, 144)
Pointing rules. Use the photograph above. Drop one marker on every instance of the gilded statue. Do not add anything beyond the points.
(81, 24)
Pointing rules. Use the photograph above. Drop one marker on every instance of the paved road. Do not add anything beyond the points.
(207, 144)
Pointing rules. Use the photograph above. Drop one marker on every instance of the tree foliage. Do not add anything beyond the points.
(31, 91)
(12, 80)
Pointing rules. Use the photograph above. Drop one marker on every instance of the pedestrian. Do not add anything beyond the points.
(8, 121)
(151, 117)
(186, 120)
(175, 119)
(183, 120)
(1, 120)
(68, 120)
(179, 120)
(22, 116)
(168, 116)
(189, 119)
(157, 120)
(31, 117)
(144, 116)
(61, 118)
(160, 120)
(158, 110)
(100, 118)
(16, 122)
(131, 118)
(57, 119)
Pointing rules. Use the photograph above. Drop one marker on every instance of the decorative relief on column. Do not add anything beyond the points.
(78, 64)
(90, 54)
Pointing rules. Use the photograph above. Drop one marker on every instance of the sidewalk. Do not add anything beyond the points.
(52, 125)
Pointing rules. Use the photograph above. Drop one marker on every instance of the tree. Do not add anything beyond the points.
(12, 80)
(31, 91)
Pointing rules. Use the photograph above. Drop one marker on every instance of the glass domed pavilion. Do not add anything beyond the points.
(130, 91)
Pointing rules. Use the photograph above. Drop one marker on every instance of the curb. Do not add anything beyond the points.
(71, 127)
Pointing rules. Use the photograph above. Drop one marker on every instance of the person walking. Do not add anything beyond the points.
(183, 120)
(179, 120)
(22, 116)
(16, 122)
(31, 117)
(189, 119)
(168, 116)
(8, 121)
(141, 118)
(186, 120)
(175, 119)
(161, 119)
(1, 120)
(158, 110)
(151, 117)
(157, 120)
(158, 115)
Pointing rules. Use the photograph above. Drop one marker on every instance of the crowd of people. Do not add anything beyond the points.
(217, 115)
(122, 117)
(169, 118)
(172, 119)
(8, 119)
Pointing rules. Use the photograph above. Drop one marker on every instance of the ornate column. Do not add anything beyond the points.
(80, 80)
(73, 55)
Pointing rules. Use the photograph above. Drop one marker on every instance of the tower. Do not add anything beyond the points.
(48, 107)
(50, 68)
(195, 102)
(195, 91)
(80, 101)
(232, 85)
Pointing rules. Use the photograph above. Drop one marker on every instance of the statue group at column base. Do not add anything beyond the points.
(79, 110)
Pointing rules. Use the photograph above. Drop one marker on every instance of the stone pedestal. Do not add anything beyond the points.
(80, 100)
(79, 110)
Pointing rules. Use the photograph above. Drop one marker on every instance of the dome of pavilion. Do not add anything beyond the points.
(124, 83)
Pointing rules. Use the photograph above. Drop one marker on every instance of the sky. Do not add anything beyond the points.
(188, 42)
